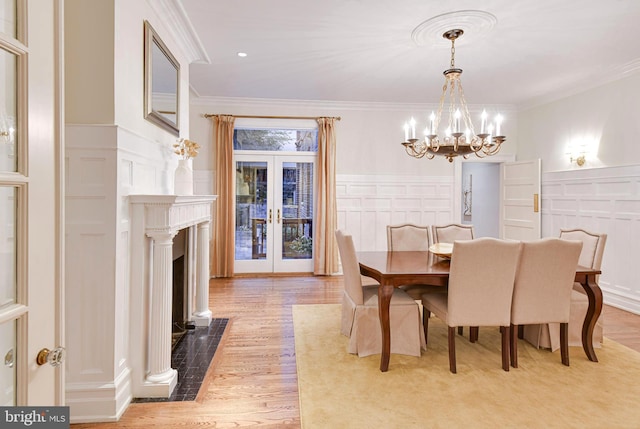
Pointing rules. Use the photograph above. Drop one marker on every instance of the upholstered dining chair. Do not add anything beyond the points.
(452, 232)
(542, 290)
(408, 236)
(360, 320)
(411, 237)
(479, 292)
(547, 335)
(448, 234)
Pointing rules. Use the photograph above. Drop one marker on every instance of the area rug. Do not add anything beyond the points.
(340, 390)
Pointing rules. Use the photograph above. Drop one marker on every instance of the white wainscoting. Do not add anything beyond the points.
(104, 164)
(366, 204)
(605, 200)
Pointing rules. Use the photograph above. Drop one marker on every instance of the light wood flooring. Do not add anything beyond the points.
(252, 381)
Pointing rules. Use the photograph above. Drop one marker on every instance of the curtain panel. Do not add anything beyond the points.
(325, 246)
(223, 244)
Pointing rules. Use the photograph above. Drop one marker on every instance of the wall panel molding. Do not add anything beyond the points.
(368, 203)
(605, 200)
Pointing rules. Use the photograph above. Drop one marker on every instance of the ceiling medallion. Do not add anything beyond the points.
(474, 23)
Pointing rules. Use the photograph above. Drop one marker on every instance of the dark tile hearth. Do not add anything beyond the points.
(191, 358)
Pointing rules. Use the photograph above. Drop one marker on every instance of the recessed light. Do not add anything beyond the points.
(242, 54)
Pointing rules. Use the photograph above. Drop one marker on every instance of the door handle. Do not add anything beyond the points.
(278, 216)
(54, 357)
(270, 216)
(536, 204)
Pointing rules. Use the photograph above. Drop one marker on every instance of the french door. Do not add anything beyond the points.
(274, 212)
(31, 232)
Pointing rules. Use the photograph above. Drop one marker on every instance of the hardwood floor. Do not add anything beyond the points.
(252, 382)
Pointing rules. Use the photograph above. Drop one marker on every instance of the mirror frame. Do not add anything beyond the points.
(150, 113)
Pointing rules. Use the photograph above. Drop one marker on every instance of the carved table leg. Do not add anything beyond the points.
(384, 300)
(594, 293)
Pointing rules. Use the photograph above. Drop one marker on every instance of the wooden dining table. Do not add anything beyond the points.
(393, 269)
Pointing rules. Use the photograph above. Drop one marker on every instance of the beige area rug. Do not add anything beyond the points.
(339, 390)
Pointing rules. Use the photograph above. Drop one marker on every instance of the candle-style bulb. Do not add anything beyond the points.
(498, 123)
(412, 123)
(432, 123)
(484, 121)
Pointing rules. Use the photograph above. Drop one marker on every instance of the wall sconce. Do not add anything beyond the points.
(579, 159)
(577, 154)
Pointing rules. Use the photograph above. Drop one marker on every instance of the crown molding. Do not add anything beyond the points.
(324, 105)
(173, 16)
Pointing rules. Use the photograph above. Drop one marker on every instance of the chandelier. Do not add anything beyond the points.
(456, 139)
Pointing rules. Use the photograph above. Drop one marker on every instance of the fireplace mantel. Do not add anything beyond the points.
(171, 213)
(155, 220)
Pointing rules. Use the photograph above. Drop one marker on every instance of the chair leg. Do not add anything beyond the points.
(564, 343)
(426, 314)
(513, 344)
(473, 333)
(452, 349)
(521, 332)
(506, 334)
(460, 330)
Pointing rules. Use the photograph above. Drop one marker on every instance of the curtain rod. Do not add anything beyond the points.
(211, 115)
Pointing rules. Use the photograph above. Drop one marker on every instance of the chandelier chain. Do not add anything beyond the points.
(453, 53)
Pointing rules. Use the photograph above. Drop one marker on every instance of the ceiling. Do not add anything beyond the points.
(513, 52)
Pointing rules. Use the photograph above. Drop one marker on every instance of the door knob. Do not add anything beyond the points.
(54, 357)
(9, 359)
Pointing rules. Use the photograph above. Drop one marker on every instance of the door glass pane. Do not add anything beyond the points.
(251, 210)
(7, 246)
(8, 17)
(297, 210)
(8, 368)
(8, 62)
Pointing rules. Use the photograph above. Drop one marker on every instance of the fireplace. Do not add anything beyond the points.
(160, 224)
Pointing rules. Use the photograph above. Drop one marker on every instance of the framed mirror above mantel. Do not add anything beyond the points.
(161, 82)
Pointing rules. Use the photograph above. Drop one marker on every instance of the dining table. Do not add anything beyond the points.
(396, 268)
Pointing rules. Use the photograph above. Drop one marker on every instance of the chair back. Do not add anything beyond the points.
(542, 291)
(592, 246)
(350, 267)
(408, 237)
(481, 280)
(452, 232)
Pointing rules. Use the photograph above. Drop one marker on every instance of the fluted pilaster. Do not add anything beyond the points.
(159, 369)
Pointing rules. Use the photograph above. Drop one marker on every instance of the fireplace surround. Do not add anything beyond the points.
(155, 221)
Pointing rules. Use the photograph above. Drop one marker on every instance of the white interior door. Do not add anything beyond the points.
(30, 208)
(274, 213)
(520, 200)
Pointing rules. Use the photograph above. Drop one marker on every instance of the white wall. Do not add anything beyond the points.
(111, 151)
(368, 135)
(603, 119)
(602, 196)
